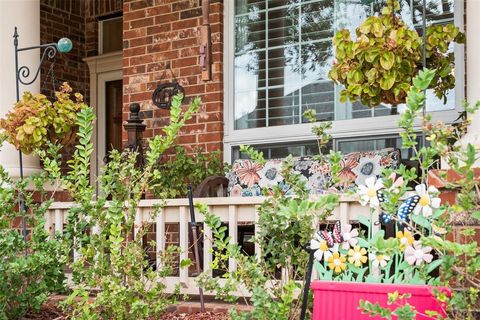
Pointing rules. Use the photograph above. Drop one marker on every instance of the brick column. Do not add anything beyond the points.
(162, 44)
(26, 16)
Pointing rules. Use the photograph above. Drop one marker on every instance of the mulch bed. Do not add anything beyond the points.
(50, 311)
(195, 316)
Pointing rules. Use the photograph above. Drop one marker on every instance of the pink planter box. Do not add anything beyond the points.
(340, 300)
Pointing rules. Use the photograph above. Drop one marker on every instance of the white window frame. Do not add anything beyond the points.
(100, 33)
(374, 126)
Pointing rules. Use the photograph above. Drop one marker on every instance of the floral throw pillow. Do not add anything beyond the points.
(247, 178)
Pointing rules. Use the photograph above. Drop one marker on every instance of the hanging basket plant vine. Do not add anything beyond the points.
(379, 66)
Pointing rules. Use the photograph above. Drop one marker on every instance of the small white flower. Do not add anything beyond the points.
(427, 201)
(349, 237)
(379, 260)
(368, 192)
(417, 254)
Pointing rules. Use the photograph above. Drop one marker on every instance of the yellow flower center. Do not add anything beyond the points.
(424, 200)
(323, 246)
(371, 192)
(380, 257)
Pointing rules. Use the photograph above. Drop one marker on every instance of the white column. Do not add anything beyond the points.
(25, 15)
(473, 67)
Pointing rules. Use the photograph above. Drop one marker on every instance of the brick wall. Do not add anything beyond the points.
(161, 43)
(64, 19)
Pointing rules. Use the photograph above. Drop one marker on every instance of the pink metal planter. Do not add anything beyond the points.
(340, 300)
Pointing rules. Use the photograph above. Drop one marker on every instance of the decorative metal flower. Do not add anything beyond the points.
(379, 260)
(349, 237)
(336, 262)
(321, 247)
(357, 256)
(417, 254)
(427, 201)
(368, 192)
(406, 238)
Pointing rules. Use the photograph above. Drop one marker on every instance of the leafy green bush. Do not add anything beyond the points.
(109, 258)
(379, 66)
(285, 226)
(29, 270)
(458, 261)
(182, 170)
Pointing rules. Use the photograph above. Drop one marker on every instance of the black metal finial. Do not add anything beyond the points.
(134, 111)
(15, 37)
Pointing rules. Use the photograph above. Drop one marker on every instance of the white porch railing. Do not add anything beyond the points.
(234, 211)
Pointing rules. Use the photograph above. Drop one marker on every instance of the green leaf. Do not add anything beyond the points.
(365, 221)
(420, 220)
(434, 265)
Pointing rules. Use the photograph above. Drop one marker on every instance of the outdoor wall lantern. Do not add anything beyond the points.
(162, 96)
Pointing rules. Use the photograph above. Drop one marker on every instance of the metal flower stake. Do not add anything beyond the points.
(22, 76)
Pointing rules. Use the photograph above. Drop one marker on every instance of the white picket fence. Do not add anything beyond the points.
(234, 211)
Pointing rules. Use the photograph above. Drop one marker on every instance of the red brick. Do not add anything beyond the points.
(210, 137)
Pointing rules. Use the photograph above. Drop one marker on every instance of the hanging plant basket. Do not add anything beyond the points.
(35, 120)
(380, 64)
(341, 300)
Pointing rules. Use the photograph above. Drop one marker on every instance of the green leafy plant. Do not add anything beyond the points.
(108, 247)
(458, 261)
(31, 269)
(182, 170)
(35, 120)
(379, 66)
(285, 225)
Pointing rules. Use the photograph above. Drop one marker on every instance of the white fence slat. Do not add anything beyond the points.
(183, 237)
(160, 235)
(233, 232)
(49, 218)
(58, 220)
(257, 246)
(138, 221)
(343, 213)
(207, 246)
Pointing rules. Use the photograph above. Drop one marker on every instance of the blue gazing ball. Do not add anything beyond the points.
(64, 45)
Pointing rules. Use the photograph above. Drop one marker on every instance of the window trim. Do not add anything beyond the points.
(375, 126)
(100, 30)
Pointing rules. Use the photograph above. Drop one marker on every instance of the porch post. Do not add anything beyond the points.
(135, 128)
(26, 16)
(473, 68)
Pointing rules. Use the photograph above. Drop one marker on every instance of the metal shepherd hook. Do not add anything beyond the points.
(193, 226)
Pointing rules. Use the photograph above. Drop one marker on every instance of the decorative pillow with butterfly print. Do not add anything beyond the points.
(248, 178)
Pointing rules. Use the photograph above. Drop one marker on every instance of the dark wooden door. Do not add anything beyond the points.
(113, 112)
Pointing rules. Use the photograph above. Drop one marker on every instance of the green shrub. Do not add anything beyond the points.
(182, 170)
(29, 270)
(100, 227)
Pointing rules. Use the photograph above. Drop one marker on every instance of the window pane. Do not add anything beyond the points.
(283, 52)
(277, 151)
(112, 35)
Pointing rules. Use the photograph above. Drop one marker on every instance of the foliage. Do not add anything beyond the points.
(108, 256)
(33, 269)
(403, 310)
(183, 170)
(379, 66)
(285, 225)
(35, 120)
(458, 261)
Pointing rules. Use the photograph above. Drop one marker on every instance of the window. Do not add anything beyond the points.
(277, 63)
(110, 37)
